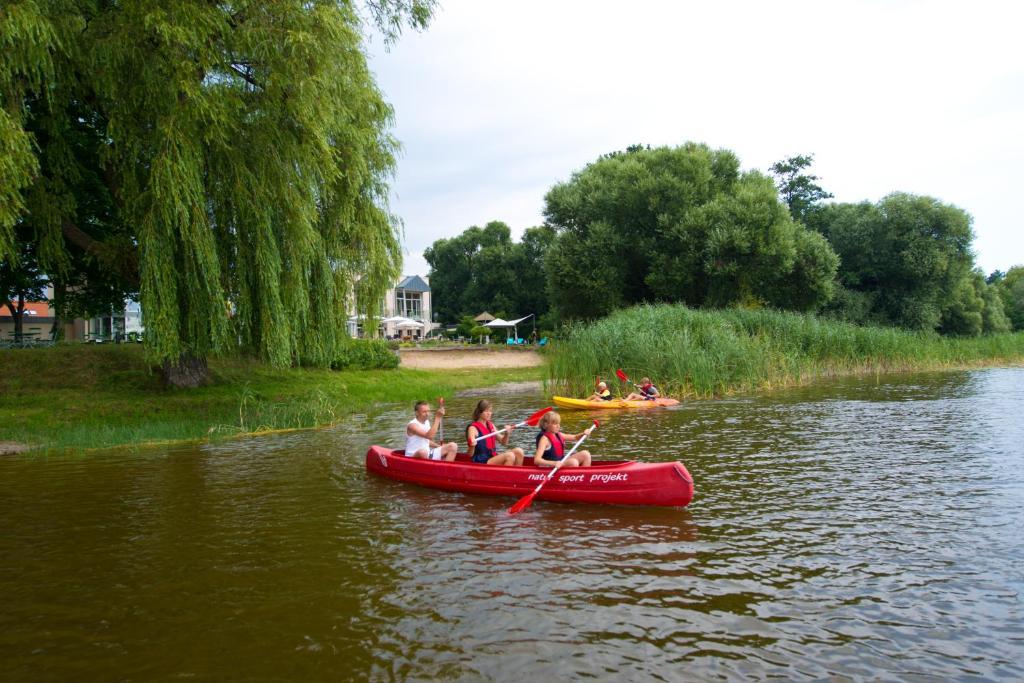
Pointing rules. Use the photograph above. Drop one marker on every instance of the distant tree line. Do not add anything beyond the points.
(686, 225)
(484, 270)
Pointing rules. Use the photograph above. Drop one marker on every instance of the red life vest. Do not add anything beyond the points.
(557, 447)
(490, 443)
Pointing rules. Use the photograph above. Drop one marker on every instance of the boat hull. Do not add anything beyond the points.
(618, 404)
(623, 482)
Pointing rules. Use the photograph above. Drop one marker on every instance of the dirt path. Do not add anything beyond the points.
(12, 447)
(454, 359)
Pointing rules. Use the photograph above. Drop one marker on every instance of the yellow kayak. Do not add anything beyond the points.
(582, 404)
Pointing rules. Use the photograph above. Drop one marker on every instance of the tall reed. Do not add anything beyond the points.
(704, 353)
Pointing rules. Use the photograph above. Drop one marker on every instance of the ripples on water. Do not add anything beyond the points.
(863, 530)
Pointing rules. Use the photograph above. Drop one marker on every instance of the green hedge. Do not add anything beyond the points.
(365, 354)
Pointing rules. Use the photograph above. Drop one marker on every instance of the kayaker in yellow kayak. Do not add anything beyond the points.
(551, 444)
(648, 392)
(485, 450)
(602, 393)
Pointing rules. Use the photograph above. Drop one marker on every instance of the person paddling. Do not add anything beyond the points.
(485, 451)
(419, 436)
(601, 394)
(648, 392)
(551, 444)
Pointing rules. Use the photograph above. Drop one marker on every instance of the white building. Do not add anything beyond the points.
(406, 311)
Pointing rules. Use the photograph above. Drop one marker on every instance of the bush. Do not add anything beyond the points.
(365, 354)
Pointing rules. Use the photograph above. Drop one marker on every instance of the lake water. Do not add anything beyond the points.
(863, 529)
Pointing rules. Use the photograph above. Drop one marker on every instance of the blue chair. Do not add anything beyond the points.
(543, 341)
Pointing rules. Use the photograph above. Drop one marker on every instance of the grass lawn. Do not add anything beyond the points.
(76, 396)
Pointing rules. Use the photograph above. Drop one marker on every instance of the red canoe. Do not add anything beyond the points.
(613, 482)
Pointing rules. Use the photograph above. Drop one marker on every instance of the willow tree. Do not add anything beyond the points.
(244, 148)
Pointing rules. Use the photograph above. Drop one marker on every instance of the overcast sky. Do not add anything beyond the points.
(497, 102)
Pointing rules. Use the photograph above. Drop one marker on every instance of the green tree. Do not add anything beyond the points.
(21, 281)
(483, 269)
(245, 151)
(458, 282)
(800, 191)
(1011, 292)
(678, 224)
(904, 257)
(975, 309)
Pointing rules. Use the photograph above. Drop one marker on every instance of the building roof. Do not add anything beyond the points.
(413, 283)
(483, 317)
(32, 308)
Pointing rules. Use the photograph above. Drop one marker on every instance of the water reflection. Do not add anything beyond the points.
(867, 529)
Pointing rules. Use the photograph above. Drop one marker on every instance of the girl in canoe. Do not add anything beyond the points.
(648, 392)
(551, 444)
(485, 450)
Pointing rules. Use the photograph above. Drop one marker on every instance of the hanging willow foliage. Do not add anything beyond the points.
(245, 148)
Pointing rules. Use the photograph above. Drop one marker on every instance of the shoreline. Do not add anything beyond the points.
(254, 400)
(71, 398)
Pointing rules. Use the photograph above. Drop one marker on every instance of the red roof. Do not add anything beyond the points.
(32, 308)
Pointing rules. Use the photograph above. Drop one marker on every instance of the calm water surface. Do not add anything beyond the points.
(870, 529)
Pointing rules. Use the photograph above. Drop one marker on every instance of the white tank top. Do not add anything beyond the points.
(413, 442)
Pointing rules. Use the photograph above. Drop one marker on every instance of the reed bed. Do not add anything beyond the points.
(698, 353)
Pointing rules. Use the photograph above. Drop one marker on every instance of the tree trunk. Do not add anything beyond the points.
(19, 317)
(57, 329)
(188, 373)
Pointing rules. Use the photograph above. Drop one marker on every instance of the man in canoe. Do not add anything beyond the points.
(602, 393)
(419, 436)
(551, 444)
(485, 450)
(648, 392)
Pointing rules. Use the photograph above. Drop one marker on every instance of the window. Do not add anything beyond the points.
(409, 304)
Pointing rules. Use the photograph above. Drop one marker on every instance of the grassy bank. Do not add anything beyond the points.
(98, 396)
(706, 353)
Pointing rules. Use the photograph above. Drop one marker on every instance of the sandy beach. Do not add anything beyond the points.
(453, 359)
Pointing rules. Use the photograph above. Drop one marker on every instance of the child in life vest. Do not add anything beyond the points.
(602, 393)
(648, 392)
(551, 444)
(485, 451)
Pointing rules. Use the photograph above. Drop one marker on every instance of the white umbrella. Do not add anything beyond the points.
(408, 324)
(498, 322)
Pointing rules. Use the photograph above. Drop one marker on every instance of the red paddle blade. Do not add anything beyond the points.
(535, 418)
(621, 375)
(522, 503)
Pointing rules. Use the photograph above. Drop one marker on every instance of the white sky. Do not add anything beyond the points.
(496, 102)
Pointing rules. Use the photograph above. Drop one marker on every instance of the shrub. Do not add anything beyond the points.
(365, 354)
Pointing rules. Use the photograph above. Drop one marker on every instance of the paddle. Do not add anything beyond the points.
(440, 427)
(525, 501)
(621, 375)
(532, 421)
